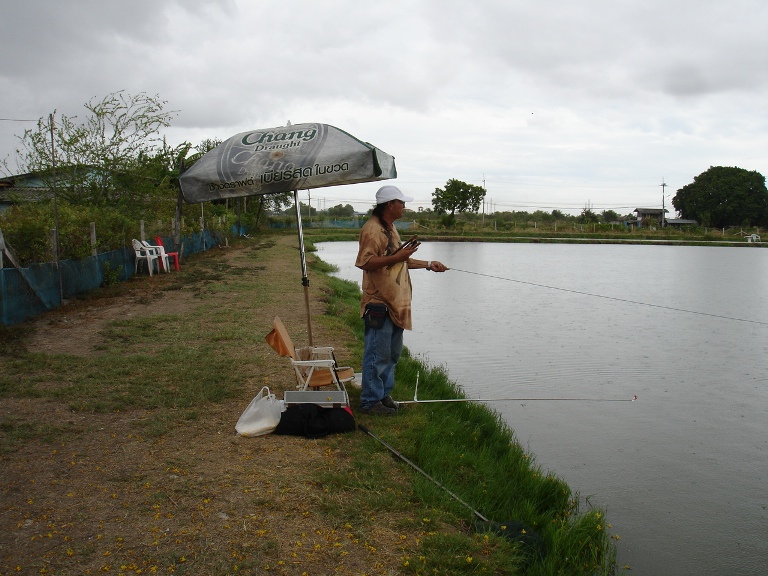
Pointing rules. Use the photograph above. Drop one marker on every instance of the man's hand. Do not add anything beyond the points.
(436, 266)
(376, 262)
(404, 254)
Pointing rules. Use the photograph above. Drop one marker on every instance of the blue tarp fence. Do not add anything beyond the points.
(282, 224)
(354, 223)
(27, 292)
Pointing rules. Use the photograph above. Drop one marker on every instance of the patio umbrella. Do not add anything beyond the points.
(284, 159)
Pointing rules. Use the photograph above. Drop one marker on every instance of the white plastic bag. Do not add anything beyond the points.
(262, 415)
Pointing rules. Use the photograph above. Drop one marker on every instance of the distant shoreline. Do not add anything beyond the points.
(338, 234)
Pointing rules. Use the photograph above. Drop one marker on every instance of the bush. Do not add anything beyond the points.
(218, 218)
(75, 230)
(448, 220)
(26, 228)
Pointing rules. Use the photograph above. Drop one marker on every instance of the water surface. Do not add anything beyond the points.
(683, 471)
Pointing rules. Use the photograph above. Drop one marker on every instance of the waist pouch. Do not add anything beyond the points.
(374, 315)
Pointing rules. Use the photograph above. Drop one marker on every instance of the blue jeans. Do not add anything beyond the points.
(382, 351)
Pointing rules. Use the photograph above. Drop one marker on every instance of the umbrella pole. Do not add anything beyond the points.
(304, 277)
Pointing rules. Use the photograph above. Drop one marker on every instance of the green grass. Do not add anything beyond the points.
(154, 361)
(457, 554)
(157, 377)
(14, 433)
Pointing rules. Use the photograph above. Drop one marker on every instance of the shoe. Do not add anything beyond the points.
(389, 403)
(379, 409)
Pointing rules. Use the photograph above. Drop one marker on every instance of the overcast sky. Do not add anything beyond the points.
(553, 104)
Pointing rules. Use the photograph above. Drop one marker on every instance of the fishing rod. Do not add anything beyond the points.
(519, 400)
(417, 401)
(415, 467)
(625, 300)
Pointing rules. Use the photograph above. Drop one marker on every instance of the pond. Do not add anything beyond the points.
(682, 472)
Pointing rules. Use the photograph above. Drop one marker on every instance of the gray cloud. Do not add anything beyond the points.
(553, 101)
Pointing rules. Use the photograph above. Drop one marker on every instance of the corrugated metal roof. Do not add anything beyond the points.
(15, 194)
(680, 221)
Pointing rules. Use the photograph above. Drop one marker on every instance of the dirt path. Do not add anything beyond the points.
(112, 497)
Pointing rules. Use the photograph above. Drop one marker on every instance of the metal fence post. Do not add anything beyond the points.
(93, 239)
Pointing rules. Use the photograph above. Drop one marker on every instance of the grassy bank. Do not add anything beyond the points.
(118, 453)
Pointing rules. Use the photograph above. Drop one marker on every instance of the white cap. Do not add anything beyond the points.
(387, 193)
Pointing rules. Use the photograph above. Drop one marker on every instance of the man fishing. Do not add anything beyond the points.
(386, 302)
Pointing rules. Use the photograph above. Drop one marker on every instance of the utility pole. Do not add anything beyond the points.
(663, 206)
(486, 191)
(55, 212)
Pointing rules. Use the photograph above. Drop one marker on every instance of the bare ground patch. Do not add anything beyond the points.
(177, 491)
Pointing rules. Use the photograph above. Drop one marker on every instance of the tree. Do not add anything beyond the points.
(339, 211)
(587, 216)
(610, 216)
(457, 196)
(305, 209)
(724, 196)
(103, 157)
(541, 216)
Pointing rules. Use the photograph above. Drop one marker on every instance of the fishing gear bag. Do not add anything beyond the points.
(313, 421)
(375, 314)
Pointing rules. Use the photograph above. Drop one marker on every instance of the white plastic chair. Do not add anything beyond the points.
(160, 252)
(142, 252)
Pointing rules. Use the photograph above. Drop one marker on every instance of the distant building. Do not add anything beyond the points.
(650, 216)
(22, 188)
(680, 222)
(657, 216)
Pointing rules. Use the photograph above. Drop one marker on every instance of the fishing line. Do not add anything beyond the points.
(625, 300)
(415, 467)
(417, 401)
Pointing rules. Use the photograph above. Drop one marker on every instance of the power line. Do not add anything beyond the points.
(502, 204)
